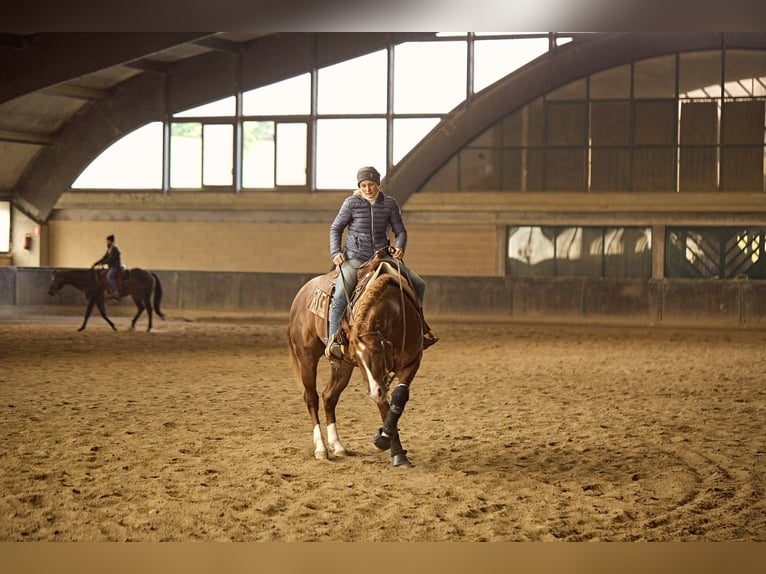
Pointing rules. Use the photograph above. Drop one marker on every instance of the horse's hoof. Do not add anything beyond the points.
(381, 442)
(400, 460)
(320, 455)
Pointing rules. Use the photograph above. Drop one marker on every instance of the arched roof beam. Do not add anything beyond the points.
(68, 55)
(182, 85)
(550, 71)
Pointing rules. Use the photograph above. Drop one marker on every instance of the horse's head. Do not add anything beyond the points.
(56, 283)
(374, 355)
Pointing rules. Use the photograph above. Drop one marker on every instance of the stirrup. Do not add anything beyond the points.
(333, 349)
(429, 339)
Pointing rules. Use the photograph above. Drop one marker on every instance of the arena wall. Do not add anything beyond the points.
(725, 303)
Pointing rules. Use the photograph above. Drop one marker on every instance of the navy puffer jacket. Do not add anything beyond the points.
(368, 225)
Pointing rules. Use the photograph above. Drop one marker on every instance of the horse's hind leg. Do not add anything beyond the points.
(140, 306)
(148, 305)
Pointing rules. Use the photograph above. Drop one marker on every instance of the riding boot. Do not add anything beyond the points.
(429, 339)
(334, 348)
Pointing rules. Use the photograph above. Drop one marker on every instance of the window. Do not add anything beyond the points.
(715, 252)
(291, 154)
(186, 155)
(496, 58)
(219, 108)
(5, 226)
(429, 77)
(258, 154)
(132, 162)
(579, 251)
(288, 97)
(356, 86)
(345, 144)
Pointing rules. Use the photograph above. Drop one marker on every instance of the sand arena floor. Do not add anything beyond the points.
(197, 431)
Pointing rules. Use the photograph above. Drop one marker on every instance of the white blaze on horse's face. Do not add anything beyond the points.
(374, 388)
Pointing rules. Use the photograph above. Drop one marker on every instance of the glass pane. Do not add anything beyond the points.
(218, 154)
(655, 78)
(655, 123)
(143, 170)
(345, 145)
(628, 252)
(567, 123)
(223, 107)
(611, 84)
(577, 90)
(573, 257)
(495, 59)
(5, 226)
(530, 252)
(409, 132)
(745, 73)
(610, 123)
(291, 154)
(288, 97)
(186, 154)
(478, 171)
(445, 179)
(700, 75)
(258, 154)
(429, 77)
(356, 86)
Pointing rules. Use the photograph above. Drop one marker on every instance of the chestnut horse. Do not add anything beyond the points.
(384, 339)
(138, 283)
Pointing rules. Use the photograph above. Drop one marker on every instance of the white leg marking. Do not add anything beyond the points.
(320, 450)
(334, 441)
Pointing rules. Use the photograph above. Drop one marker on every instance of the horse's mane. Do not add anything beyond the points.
(371, 296)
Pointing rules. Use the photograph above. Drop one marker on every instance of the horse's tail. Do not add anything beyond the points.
(157, 295)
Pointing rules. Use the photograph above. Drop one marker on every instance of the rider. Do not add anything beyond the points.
(367, 213)
(113, 260)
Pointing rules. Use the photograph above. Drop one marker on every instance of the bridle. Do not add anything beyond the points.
(388, 355)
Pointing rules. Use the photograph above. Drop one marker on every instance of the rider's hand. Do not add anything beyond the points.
(398, 253)
(338, 259)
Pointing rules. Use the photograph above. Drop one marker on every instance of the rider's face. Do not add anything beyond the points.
(369, 188)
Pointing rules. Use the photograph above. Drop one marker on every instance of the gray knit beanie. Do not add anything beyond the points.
(367, 172)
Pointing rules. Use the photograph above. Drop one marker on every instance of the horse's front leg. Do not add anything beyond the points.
(388, 435)
(339, 378)
(101, 309)
(390, 413)
(306, 362)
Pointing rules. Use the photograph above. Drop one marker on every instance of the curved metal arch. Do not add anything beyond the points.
(153, 95)
(548, 72)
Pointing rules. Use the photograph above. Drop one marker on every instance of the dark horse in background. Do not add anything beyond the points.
(385, 340)
(138, 283)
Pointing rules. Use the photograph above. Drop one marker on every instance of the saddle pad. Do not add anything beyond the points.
(319, 303)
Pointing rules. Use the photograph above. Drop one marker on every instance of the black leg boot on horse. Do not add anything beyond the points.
(388, 435)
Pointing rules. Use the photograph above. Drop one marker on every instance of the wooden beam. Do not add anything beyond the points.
(76, 92)
(26, 138)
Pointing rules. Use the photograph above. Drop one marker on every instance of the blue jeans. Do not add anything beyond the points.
(111, 275)
(346, 284)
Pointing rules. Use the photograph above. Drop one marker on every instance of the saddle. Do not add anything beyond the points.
(123, 276)
(322, 299)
